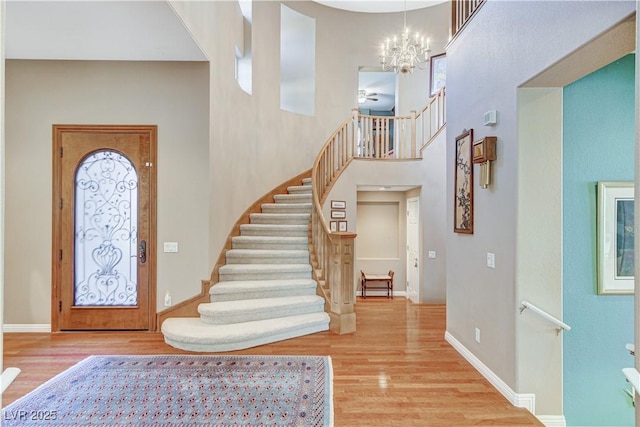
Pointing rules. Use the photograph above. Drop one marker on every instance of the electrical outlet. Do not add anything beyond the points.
(167, 299)
(477, 335)
(432, 254)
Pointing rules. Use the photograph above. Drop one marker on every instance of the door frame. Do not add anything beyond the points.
(416, 286)
(56, 292)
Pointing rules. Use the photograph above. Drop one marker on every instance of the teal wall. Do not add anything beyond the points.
(598, 145)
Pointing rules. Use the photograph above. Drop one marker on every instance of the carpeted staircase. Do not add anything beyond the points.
(266, 292)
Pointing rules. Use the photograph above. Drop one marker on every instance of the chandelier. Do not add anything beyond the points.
(403, 55)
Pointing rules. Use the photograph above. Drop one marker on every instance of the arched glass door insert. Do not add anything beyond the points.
(106, 239)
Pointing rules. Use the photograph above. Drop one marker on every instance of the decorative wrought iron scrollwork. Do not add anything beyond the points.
(106, 223)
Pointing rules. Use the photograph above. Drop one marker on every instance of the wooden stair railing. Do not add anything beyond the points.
(461, 13)
(364, 137)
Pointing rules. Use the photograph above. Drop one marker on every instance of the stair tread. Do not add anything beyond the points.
(229, 287)
(190, 333)
(284, 239)
(260, 267)
(268, 252)
(257, 305)
(287, 205)
(275, 226)
(282, 214)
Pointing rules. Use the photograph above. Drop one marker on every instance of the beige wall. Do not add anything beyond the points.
(214, 173)
(254, 144)
(427, 176)
(173, 96)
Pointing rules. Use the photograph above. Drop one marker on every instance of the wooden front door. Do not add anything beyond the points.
(104, 184)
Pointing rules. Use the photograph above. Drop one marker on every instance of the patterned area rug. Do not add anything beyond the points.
(185, 391)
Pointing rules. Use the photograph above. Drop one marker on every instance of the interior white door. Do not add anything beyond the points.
(413, 249)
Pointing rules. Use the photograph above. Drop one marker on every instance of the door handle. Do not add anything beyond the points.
(142, 254)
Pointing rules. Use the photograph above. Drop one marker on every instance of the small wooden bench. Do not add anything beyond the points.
(367, 278)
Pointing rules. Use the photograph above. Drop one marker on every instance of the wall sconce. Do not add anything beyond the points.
(484, 151)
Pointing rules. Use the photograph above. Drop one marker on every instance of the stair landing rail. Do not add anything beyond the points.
(384, 138)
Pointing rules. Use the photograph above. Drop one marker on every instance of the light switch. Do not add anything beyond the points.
(171, 246)
(491, 260)
(432, 254)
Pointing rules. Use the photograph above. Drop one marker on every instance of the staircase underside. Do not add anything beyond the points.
(266, 293)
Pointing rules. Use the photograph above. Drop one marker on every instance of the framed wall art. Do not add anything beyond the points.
(463, 184)
(338, 214)
(437, 73)
(342, 226)
(333, 226)
(338, 204)
(614, 229)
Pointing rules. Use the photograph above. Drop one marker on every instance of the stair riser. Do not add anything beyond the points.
(264, 276)
(253, 315)
(262, 294)
(300, 219)
(293, 198)
(284, 232)
(240, 343)
(286, 208)
(270, 246)
(267, 260)
(301, 189)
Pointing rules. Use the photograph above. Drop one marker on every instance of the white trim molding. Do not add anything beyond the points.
(27, 327)
(552, 420)
(520, 400)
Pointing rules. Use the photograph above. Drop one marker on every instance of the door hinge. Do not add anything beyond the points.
(60, 255)
(61, 150)
(60, 203)
(59, 305)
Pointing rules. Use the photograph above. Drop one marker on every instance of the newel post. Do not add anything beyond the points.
(341, 282)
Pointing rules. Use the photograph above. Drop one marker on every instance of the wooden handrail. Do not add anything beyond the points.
(365, 137)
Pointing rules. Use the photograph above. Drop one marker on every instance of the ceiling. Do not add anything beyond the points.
(378, 6)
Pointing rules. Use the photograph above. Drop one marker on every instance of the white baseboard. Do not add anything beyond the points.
(520, 400)
(552, 420)
(28, 327)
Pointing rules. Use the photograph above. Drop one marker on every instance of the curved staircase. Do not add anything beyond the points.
(265, 293)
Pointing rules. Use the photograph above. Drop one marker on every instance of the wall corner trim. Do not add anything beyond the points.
(27, 327)
(520, 400)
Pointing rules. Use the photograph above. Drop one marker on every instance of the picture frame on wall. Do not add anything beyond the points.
(338, 204)
(463, 184)
(437, 73)
(333, 226)
(338, 214)
(615, 234)
(342, 226)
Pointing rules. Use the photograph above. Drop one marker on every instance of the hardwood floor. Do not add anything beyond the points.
(396, 370)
